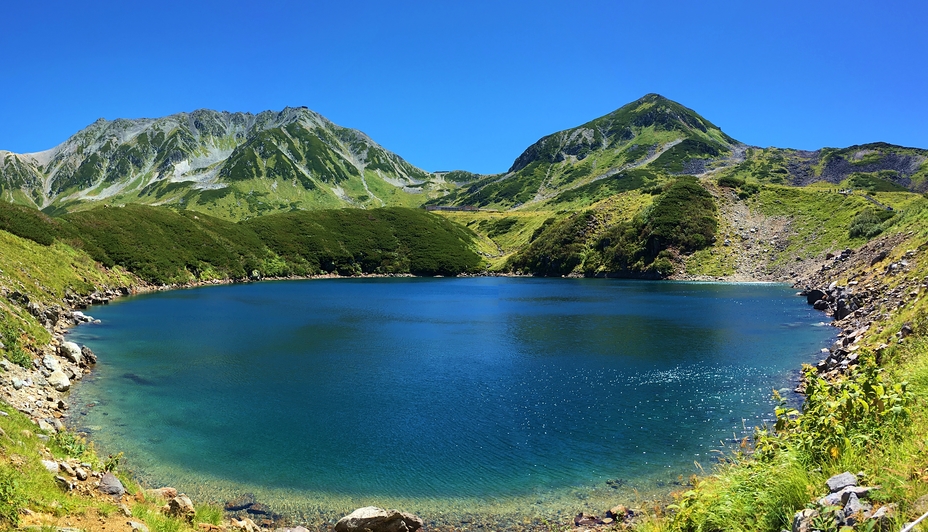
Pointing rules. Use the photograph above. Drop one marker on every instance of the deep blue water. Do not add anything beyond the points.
(479, 388)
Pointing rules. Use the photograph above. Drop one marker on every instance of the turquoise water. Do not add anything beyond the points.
(437, 394)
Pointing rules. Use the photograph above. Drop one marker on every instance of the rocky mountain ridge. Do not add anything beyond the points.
(271, 161)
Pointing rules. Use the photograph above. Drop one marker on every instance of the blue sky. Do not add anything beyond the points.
(469, 85)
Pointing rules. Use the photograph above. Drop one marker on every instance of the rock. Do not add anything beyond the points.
(815, 295)
(245, 524)
(67, 469)
(920, 506)
(618, 512)
(378, 520)
(51, 465)
(70, 351)
(258, 509)
(125, 510)
(802, 521)
(111, 485)
(162, 493)
(80, 473)
(63, 483)
(59, 381)
(242, 502)
(182, 507)
(89, 358)
(821, 304)
(294, 529)
(51, 363)
(137, 527)
(583, 519)
(878, 257)
(46, 426)
(854, 510)
(883, 517)
(841, 481)
(18, 383)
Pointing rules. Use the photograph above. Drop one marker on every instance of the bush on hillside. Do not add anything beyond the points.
(869, 222)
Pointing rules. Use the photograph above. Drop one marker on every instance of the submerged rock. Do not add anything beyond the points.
(242, 502)
(378, 520)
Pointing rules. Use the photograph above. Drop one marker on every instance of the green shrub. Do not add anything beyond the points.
(12, 340)
(869, 223)
(70, 443)
(849, 413)
(730, 181)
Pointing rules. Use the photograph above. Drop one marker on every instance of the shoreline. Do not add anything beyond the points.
(518, 518)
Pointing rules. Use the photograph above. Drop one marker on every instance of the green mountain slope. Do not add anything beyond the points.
(164, 246)
(652, 133)
(232, 165)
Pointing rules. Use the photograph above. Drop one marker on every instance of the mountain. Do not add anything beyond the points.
(645, 142)
(652, 132)
(239, 165)
(233, 165)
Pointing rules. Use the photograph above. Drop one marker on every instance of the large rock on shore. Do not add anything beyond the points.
(59, 381)
(70, 351)
(378, 520)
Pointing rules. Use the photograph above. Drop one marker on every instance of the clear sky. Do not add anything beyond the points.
(471, 84)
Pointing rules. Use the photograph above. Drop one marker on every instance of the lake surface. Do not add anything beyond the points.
(493, 396)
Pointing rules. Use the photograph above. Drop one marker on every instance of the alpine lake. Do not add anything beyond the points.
(506, 401)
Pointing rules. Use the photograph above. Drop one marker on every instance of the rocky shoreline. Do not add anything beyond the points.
(857, 307)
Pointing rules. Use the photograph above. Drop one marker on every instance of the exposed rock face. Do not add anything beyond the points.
(375, 519)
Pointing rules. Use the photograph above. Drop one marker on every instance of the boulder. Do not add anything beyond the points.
(182, 507)
(51, 363)
(841, 481)
(111, 485)
(821, 304)
(50, 465)
(70, 351)
(89, 358)
(162, 493)
(378, 520)
(59, 381)
(815, 295)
